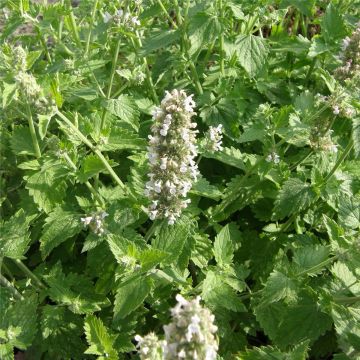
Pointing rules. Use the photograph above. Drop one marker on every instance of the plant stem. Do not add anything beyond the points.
(29, 273)
(167, 14)
(87, 183)
(347, 299)
(221, 39)
(32, 131)
(73, 26)
(340, 160)
(112, 74)
(95, 150)
(90, 28)
(4, 282)
(147, 72)
(151, 230)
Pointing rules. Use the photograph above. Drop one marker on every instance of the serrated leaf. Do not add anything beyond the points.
(309, 258)
(21, 142)
(14, 236)
(98, 337)
(172, 238)
(203, 188)
(288, 324)
(91, 165)
(349, 212)
(20, 319)
(230, 156)
(44, 121)
(218, 294)
(59, 226)
(279, 286)
(202, 252)
(62, 332)
(159, 40)
(203, 28)
(223, 247)
(356, 135)
(252, 53)
(269, 352)
(130, 296)
(294, 196)
(346, 277)
(47, 186)
(124, 107)
(74, 290)
(333, 24)
(121, 139)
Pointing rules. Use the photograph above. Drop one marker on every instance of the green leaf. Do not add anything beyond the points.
(288, 324)
(252, 53)
(74, 290)
(349, 212)
(46, 185)
(98, 337)
(279, 286)
(125, 108)
(268, 352)
(21, 142)
(91, 165)
(159, 40)
(44, 121)
(294, 196)
(230, 156)
(62, 333)
(8, 93)
(203, 188)
(59, 226)
(31, 58)
(20, 320)
(356, 135)
(309, 258)
(255, 132)
(172, 238)
(217, 294)
(332, 24)
(122, 139)
(306, 7)
(346, 277)
(203, 29)
(14, 236)
(130, 296)
(223, 247)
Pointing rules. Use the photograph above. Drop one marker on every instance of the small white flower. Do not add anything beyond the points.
(107, 17)
(336, 110)
(273, 157)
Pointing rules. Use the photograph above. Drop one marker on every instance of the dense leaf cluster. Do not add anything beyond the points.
(271, 239)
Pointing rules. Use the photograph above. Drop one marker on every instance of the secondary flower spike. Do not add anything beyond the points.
(171, 153)
(191, 334)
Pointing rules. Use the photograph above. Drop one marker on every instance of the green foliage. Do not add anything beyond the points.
(100, 341)
(270, 237)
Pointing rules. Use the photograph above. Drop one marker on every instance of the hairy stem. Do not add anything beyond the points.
(32, 131)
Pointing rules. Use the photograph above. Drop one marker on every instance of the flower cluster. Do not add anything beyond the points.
(19, 59)
(273, 157)
(95, 221)
(190, 335)
(150, 347)
(122, 19)
(214, 138)
(28, 85)
(171, 154)
(322, 142)
(350, 57)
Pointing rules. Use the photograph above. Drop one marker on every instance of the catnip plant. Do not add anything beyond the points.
(179, 180)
